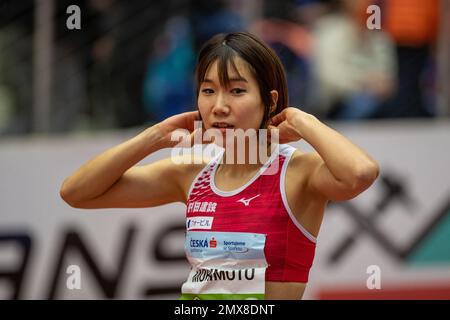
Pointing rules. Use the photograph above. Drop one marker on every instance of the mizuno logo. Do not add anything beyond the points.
(246, 202)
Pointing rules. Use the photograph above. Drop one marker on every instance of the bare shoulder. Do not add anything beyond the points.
(307, 206)
(301, 167)
(305, 158)
(302, 164)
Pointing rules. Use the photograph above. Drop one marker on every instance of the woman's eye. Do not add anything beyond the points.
(208, 91)
(237, 90)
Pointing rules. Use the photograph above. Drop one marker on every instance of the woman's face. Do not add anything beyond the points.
(238, 106)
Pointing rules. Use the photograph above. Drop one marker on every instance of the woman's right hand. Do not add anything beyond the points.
(183, 121)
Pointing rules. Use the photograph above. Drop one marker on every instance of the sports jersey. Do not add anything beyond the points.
(259, 207)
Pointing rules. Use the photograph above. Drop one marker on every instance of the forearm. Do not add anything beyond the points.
(346, 161)
(97, 175)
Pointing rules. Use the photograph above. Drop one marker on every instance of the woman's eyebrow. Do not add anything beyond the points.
(236, 79)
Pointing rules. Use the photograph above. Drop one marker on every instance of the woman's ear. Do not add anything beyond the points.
(273, 106)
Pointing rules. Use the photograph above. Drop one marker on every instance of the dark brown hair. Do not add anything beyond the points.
(262, 61)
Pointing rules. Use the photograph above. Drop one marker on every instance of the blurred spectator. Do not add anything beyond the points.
(105, 85)
(292, 43)
(413, 24)
(354, 66)
(119, 36)
(308, 12)
(209, 17)
(169, 80)
(69, 91)
(137, 30)
(16, 26)
(106, 76)
(286, 27)
(168, 85)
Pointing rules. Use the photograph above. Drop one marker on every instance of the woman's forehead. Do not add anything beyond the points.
(237, 70)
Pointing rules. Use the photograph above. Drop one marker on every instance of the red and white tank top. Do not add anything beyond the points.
(259, 206)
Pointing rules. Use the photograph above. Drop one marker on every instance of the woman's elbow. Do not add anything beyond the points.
(366, 175)
(67, 194)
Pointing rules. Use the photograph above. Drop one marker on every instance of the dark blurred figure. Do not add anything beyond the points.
(413, 25)
(119, 33)
(168, 79)
(16, 58)
(209, 17)
(105, 82)
(354, 66)
(168, 84)
(308, 12)
(69, 89)
(287, 27)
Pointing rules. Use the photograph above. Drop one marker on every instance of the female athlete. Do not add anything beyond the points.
(251, 227)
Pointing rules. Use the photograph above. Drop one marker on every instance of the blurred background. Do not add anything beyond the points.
(75, 81)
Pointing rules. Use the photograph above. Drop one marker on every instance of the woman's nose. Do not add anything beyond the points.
(221, 106)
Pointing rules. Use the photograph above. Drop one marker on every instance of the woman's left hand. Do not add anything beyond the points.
(287, 122)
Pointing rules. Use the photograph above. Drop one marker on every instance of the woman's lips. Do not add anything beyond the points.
(222, 126)
(224, 130)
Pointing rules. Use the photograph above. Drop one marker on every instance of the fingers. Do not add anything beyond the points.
(277, 119)
(273, 132)
(190, 118)
(193, 115)
(196, 115)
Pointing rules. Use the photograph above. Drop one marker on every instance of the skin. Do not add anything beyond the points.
(337, 171)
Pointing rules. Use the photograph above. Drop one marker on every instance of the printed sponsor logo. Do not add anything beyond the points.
(246, 202)
(197, 243)
(204, 275)
(204, 223)
(230, 246)
(213, 243)
(202, 206)
(235, 246)
(203, 243)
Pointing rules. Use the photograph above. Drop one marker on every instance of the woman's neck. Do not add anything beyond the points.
(235, 165)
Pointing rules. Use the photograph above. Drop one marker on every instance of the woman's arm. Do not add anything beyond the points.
(111, 179)
(340, 170)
